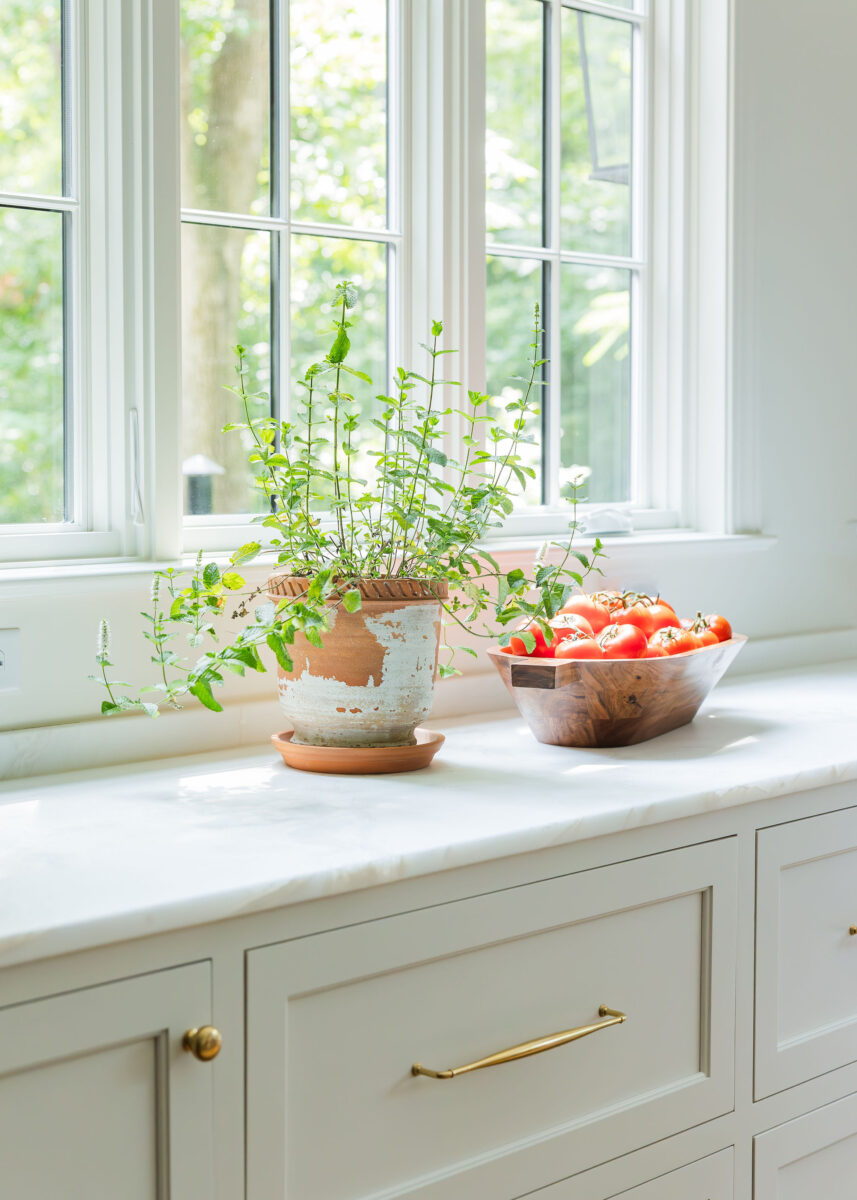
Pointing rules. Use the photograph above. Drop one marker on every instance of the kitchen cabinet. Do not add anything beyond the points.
(98, 1098)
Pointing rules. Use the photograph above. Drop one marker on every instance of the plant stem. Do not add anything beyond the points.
(336, 488)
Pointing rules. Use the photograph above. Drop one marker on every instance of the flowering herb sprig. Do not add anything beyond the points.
(420, 513)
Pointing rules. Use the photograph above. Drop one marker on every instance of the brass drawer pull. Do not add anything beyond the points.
(527, 1048)
(203, 1043)
(853, 930)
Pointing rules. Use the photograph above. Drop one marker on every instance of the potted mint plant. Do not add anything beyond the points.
(375, 552)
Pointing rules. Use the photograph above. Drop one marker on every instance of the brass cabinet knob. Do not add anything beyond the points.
(203, 1043)
(853, 930)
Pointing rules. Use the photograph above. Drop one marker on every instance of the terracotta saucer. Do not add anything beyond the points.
(359, 760)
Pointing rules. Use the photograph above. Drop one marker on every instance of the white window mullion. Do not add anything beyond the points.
(643, 470)
(552, 420)
(159, 368)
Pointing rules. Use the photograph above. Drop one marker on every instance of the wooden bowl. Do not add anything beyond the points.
(616, 701)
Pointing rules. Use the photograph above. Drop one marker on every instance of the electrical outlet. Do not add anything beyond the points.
(10, 660)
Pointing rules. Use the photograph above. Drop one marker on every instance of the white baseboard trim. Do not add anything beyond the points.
(109, 742)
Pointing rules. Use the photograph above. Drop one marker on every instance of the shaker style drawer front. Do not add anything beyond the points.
(710, 1178)
(806, 952)
(811, 1158)
(337, 1021)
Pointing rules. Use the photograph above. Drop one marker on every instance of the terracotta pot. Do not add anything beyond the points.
(372, 682)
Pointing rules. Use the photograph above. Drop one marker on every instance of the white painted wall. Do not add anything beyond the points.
(795, 334)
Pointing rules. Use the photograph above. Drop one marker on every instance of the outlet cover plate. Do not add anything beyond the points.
(10, 660)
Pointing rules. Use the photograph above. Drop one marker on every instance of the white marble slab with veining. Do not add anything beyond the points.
(100, 856)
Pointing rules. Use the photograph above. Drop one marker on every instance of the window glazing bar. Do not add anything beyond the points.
(630, 15)
(39, 203)
(194, 216)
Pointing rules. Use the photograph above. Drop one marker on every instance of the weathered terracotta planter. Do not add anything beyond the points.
(372, 681)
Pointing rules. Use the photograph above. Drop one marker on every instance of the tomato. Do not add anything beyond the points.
(506, 650)
(588, 608)
(623, 641)
(565, 623)
(674, 640)
(638, 614)
(661, 615)
(655, 652)
(705, 636)
(612, 601)
(541, 649)
(578, 645)
(719, 626)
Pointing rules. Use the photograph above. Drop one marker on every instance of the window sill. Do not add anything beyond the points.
(648, 543)
(627, 550)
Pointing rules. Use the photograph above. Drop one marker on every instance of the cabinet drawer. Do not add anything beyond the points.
(814, 1156)
(337, 1020)
(806, 959)
(710, 1178)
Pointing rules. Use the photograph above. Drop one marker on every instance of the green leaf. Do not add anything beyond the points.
(245, 554)
(108, 707)
(313, 637)
(232, 580)
(249, 656)
(436, 456)
(277, 644)
(211, 575)
(528, 639)
(340, 347)
(202, 690)
(446, 672)
(352, 601)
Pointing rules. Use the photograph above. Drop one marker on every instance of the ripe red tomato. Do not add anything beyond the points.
(506, 650)
(719, 626)
(612, 601)
(704, 635)
(588, 608)
(638, 614)
(565, 623)
(661, 615)
(674, 640)
(541, 649)
(655, 652)
(578, 645)
(623, 641)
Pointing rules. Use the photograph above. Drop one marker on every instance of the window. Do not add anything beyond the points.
(39, 216)
(178, 176)
(565, 204)
(287, 187)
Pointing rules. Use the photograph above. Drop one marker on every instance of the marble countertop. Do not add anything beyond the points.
(101, 856)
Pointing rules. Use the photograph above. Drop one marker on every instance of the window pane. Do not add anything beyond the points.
(513, 288)
(226, 277)
(225, 98)
(513, 115)
(318, 265)
(338, 65)
(596, 378)
(31, 97)
(596, 133)
(31, 366)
